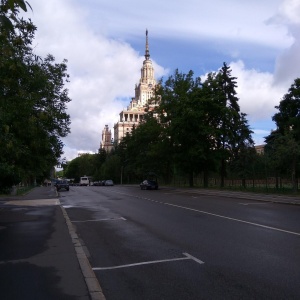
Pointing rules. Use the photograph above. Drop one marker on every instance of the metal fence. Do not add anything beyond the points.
(268, 183)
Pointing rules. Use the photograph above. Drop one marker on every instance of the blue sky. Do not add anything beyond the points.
(104, 42)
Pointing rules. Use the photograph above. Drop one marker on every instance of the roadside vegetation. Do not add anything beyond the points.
(198, 137)
(33, 116)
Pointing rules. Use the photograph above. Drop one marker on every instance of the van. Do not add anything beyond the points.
(84, 181)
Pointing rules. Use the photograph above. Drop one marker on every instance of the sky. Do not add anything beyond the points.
(104, 43)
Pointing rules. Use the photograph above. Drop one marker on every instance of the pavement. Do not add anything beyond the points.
(282, 199)
(40, 253)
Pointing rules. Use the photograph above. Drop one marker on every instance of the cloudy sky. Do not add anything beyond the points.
(104, 43)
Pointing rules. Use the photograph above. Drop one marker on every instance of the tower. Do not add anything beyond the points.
(144, 90)
(106, 142)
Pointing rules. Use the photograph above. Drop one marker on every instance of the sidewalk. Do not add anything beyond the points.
(41, 256)
(283, 199)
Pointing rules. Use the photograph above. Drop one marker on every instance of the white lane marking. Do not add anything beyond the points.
(100, 220)
(220, 216)
(187, 256)
(233, 219)
(193, 258)
(172, 192)
(255, 203)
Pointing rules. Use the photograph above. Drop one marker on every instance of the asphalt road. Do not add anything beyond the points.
(175, 244)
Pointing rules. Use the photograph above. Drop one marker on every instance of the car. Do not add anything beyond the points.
(62, 185)
(149, 185)
(109, 183)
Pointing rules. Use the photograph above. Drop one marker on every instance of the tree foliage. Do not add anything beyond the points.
(283, 144)
(196, 128)
(33, 105)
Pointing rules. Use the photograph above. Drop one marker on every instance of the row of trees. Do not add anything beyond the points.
(33, 102)
(283, 144)
(197, 129)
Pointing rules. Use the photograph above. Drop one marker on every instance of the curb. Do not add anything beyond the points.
(91, 281)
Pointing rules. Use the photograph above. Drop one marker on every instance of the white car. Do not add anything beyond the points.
(109, 183)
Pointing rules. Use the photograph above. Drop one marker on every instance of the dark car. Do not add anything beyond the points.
(62, 185)
(109, 183)
(149, 185)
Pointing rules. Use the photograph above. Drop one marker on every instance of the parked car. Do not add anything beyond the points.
(62, 185)
(96, 183)
(149, 185)
(109, 183)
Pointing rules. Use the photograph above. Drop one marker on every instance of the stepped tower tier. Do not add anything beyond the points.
(144, 90)
(107, 141)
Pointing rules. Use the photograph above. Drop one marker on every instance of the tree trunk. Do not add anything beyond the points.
(244, 183)
(191, 179)
(294, 175)
(223, 171)
(205, 179)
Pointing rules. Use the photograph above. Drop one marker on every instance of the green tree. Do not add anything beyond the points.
(33, 114)
(111, 168)
(10, 9)
(73, 169)
(138, 151)
(185, 114)
(284, 143)
(232, 131)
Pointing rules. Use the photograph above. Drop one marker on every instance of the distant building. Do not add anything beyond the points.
(107, 141)
(134, 114)
(260, 149)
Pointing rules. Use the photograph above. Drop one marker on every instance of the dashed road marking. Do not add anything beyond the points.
(264, 203)
(221, 216)
(100, 220)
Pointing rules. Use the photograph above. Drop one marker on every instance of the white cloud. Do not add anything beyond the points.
(104, 69)
(288, 64)
(192, 19)
(290, 10)
(258, 96)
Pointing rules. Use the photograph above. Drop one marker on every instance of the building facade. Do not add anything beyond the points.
(144, 90)
(107, 141)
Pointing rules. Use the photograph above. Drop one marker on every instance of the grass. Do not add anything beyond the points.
(20, 191)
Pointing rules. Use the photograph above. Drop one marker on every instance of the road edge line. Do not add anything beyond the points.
(90, 278)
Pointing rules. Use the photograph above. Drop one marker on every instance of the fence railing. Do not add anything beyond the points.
(269, 183)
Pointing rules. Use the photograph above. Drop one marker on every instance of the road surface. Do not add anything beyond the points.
(178, 244)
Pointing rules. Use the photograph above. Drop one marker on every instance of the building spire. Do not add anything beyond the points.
(147, 54)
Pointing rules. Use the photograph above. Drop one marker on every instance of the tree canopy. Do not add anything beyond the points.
(33, 116)
(282, 145)
(195, 128)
